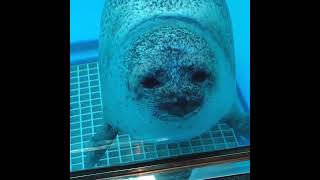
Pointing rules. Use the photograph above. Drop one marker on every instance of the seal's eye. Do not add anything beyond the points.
(199, 76)
(150, 82)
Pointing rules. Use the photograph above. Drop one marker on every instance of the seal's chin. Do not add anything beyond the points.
(178, 110)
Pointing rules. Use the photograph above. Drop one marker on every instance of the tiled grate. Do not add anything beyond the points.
(86, 117)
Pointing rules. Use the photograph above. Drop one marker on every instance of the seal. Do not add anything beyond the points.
(167, 71)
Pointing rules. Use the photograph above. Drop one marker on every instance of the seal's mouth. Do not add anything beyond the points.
(179, 108)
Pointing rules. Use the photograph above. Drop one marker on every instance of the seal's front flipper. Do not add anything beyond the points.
(240, 122)
(99, 143)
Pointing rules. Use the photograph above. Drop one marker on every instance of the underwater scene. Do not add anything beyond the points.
(155, 79)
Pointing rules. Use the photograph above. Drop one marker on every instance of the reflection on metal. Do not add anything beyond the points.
(84, 52)
(167, 165)
(221, 170)
(83, 46)
(245, 176)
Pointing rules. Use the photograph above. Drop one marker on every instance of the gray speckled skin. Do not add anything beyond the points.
(170, 41)
(121, 16)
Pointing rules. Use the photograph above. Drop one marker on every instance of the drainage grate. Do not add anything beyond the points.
(86, 117)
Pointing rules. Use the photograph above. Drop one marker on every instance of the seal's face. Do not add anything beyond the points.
(170, 82)
(172, 70)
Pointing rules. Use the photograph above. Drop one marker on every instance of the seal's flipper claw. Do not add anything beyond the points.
(242, 125)
(99, 143)
(245, 125)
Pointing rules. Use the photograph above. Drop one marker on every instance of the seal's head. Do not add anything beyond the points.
(167, 76)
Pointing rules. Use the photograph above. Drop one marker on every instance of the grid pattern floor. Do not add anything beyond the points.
(86, 117)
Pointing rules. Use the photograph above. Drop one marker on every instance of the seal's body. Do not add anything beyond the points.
(167, 70)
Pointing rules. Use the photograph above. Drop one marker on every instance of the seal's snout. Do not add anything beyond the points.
(180, 106)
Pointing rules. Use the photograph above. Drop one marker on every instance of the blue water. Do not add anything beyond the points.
(86, 109)
(240, 14)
